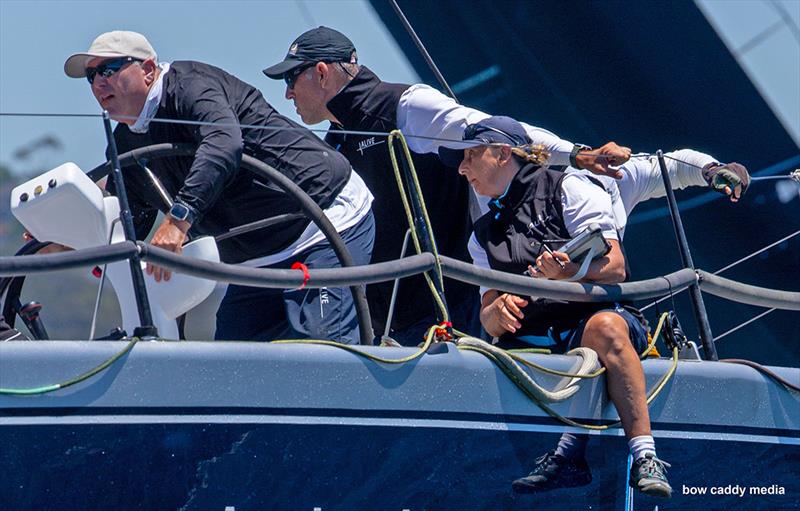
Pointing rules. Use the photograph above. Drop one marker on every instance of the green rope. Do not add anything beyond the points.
(357, 351)
(83, 377)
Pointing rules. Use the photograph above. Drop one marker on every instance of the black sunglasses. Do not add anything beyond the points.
(291, 76)
(108, 68)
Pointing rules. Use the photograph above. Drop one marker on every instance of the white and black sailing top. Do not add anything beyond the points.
(430, 118)
(368, 104)
(211, 183)
(542, 206)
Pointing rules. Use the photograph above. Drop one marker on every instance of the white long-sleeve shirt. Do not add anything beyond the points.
(425, 112)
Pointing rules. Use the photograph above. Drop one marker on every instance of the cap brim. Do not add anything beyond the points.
(453, 157)
(277, 71)
(75, 65)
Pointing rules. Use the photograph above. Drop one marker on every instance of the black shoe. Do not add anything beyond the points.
(12, 334)
(554, 471)
(649, 476)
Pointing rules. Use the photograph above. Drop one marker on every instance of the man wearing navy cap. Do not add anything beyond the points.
(325, 82)
(533, 212)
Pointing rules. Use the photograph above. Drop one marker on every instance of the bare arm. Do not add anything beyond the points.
(609, 269)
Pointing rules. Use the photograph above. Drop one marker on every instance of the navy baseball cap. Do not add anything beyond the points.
(494, 130)
(321, 44)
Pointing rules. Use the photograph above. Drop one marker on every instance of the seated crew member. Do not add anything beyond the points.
(212, 195)
(558, 206)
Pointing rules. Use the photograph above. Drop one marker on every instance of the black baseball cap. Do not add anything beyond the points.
(321, 44)
(492, 130)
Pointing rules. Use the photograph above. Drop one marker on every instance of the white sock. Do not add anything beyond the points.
(572, 446)
(641, 445)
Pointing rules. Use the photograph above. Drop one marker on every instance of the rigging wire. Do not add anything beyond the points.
(759, 316)
(743, 259)
(795, 175)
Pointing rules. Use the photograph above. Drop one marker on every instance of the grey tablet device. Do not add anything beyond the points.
(579, 247)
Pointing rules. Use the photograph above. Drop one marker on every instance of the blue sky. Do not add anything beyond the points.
(241, 37)
(764, 37)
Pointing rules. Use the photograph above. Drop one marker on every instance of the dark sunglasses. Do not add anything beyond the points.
(108, 68)
(473, 130)
(291, 77)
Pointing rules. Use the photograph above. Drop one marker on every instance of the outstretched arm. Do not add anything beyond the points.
(642, 180)
(429, 119)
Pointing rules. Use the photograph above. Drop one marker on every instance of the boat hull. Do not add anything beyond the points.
(238, 426)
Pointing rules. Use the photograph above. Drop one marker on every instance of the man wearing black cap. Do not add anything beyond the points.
(534, 211)
(326, 83)
(225, 118)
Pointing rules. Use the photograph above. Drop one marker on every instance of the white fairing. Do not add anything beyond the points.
(73, 212)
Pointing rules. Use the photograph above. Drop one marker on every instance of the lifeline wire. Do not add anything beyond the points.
(745, 258)
(792, 176)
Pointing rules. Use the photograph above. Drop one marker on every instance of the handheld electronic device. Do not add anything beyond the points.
(590, 241)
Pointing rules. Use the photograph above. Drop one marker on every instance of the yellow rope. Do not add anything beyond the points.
(654, 392)
(397, 134)
(357, 351)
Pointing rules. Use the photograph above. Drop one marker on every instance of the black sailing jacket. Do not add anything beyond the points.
(368, 104)
(512, 233)
(211, 183)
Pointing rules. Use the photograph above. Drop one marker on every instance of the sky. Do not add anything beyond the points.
(242, 37)
(764, 37)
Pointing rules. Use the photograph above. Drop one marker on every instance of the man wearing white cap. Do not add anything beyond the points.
(229, 118)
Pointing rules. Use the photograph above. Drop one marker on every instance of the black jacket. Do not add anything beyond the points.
(512, 233)
(211, 183)
(368, 104)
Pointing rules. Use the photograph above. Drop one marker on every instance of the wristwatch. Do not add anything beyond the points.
(573, 162)
(180, 211)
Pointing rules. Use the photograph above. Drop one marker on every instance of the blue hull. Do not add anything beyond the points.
(240, 427)
(303, 467)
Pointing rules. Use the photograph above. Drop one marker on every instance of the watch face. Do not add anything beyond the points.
(179, 211)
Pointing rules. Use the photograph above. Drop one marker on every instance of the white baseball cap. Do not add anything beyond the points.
(119, 43)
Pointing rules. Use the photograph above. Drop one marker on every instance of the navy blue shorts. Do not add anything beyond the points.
(261, 314)
(636, 330)
(571, 339)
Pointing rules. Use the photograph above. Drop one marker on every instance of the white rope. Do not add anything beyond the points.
(564, 389)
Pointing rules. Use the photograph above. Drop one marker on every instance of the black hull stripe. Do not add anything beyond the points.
(372, 414)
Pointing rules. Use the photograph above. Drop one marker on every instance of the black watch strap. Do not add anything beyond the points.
(573, 162)
(181, 211)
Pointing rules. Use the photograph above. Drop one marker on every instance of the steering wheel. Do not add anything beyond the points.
(12, 286)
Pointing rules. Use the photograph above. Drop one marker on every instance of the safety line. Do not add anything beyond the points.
(745, 258)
